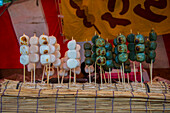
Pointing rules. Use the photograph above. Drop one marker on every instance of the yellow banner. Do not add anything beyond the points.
(111, 17)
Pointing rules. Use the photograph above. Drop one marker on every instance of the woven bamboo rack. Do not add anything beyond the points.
(84, 98)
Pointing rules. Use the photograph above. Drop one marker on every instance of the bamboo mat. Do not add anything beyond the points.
(84, 98)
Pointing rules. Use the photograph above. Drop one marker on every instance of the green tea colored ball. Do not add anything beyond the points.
(94, 48)
(100, 42)
(152, 54)
(132, 56)
(152, 35)
(121, 39)
(115, 42)
(122, 48)
(108, 46)
(101, 51)
(88, 61)
(140, 57)
(109, 55)
(148, 60)
(101, 60)
(139, 39)
(152, 45)
(87, 53)
(131, 47)
(94, 38)
(87, 46)
(139, 48)
(130, 38)
(123, 57)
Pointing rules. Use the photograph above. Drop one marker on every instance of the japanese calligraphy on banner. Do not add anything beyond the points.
(111, 17)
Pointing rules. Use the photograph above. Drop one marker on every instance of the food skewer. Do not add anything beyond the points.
(34, 73)
(70, 77)
(74, 76)
(134, 70)
(139, 49)
(89, 74)
(24, 51)
(95, 74)
(110, 76)
(31, 75)
(104, 77)
(63, 77)
(118, 75)
(43, 74)
(128, 77)
(101, 74)
(24, 75)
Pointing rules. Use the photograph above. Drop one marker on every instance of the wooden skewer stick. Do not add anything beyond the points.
(34, 73)
(128, 77)
(108, 79)
(24, 74)
(31, 75)
(121, 73)
(95, 33)
(95, 73)
(63, 77)
(43, 74)
(70, 77)
(118, 74)
(110, 75)
(74, 75)
(151, 67)
(101, 74)
(104, 77)
(49, 73)
(89, 74)
(141, 73)
(58, 75)
(134, 70)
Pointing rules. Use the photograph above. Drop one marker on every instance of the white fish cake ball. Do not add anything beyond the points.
(30, 67)
(57, 62)
(43, 40)
(65, 67)
(52, 58)
(34, 49)
(65, 59)
(44, 49)
(77, 70)
(57, 47)
(62, 72)
(24, 40)
(57, 54)
(50, 73)
(52, 49)
(78, 63)
(72, 63)
(86, 69)
(24, 49)
(91, 68)
(78, 47)
(24, 59)
(71, 45)
(34, 57)
(34, 40)
(72, 54)
(45, 59)
(52, 40)
(78, 55)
